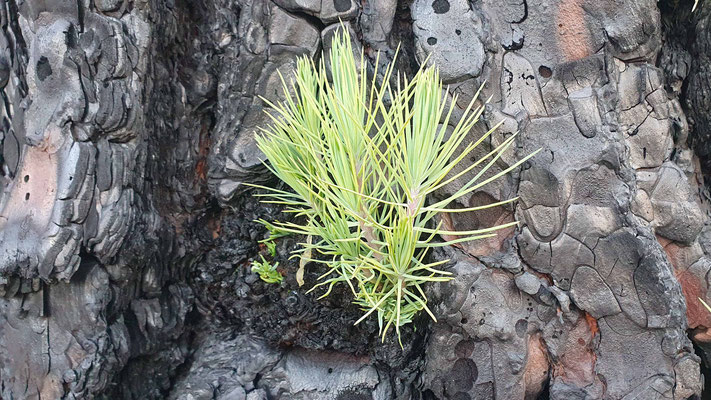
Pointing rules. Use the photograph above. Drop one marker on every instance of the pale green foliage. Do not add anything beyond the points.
(362, 159)
(266, 271)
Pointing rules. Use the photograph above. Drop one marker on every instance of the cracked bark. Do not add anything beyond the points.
(126, 232)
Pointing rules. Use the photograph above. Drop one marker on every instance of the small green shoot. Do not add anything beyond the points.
(271, 246)
(266, 271)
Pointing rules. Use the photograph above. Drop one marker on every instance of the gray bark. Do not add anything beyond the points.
(126, 230)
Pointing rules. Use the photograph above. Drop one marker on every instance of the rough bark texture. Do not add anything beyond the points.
(126, 231)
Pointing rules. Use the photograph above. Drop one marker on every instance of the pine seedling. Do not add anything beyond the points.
(362, 159)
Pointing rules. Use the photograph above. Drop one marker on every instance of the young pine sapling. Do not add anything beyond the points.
(363, 159)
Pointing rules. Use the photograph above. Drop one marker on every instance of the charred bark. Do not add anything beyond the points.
(126, 230)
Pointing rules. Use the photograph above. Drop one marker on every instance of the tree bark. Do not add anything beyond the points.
(126, 230)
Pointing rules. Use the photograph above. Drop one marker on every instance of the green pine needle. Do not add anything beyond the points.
(362, 159)
(704, 303)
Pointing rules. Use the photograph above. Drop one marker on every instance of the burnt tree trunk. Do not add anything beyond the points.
(126, 232)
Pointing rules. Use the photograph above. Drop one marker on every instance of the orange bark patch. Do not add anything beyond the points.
(33, 192)
(663, 241)
(696, 313)
(681, 257)
(701, 335)
(693, 287)
(576, 366)
(535, 374)
(574, 39)
(592, 324)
